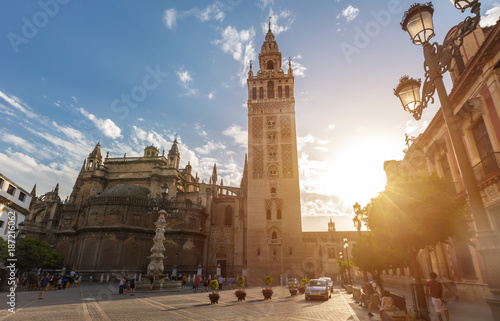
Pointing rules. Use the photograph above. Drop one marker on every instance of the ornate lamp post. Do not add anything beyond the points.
(346, 245)
(417, 21)
(358, 223)
(341, 256)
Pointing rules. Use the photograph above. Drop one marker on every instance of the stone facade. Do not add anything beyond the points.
(274, 230)
(475, 100)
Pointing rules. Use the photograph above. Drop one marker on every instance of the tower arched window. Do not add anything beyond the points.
(287, 91)
(268, 214)
(270, 89)
(273, 172)
(261, 92)
(278, 214)
(228, 216)
(270, 65)
(254, 93)
(274, 235)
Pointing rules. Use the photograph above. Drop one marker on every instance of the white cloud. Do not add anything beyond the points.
(240, 45)
(140, 119)
(297, 67)
(170, 18)
(26, 171)
(211, 12)
(321, 148)
(18, 105)
(414, 127)
(186, 82)
(74, 99)
(491, 16)
(331, 126)
(200, 131)
(209, 147)
(239, 135)
(265, 3)
(106, 126)
(69, 132)
(17, 141)
(276, 27)
(211, 95)
(184, 76)
(350, 13)
(310, 139)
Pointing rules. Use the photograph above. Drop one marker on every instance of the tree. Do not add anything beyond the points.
(374, 257)
(3, 249)
(343, 267)
(417, 212)
(33, 253)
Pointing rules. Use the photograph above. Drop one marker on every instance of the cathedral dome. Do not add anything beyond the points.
(128, 190)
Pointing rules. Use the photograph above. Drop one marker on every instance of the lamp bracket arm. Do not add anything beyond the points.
(451, 47)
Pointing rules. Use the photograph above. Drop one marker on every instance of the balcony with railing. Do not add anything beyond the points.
(487, 166)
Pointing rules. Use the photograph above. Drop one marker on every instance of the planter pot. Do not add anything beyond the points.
(293, 292)
(214, 298)
(268, 293)
(240, 295)
(302, 289)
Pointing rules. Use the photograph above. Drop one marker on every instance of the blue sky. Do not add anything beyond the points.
(134, 73)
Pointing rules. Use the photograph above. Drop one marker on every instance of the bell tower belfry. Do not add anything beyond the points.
(274, 227)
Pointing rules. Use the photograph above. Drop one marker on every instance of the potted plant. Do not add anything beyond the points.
(214, 296)
(240, 293)
(268, 291)
(302, 286)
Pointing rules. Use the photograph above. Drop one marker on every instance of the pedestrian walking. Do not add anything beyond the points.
(90, 280)
(151, 282)
(184, 281)
(196, 283)
(132, 286)
(44, 284)
(125, 284)
(371, 288)
(434, 290)
(121, 286)
(205, 284)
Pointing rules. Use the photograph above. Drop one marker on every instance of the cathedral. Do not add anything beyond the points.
(107, 224)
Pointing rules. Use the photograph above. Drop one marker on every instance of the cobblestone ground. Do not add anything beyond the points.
(102, 302)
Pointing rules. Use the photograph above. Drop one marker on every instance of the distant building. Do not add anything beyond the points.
(14, 200)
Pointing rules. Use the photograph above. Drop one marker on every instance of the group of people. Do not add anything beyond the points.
(224, 283)
(60, 282)
(434, 290)
(126, 284)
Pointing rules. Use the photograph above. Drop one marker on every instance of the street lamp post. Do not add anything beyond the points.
(417, 21)
(346, 245)
(341, 256)
(358, 223)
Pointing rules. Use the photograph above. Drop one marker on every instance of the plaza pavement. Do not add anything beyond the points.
(102, 302)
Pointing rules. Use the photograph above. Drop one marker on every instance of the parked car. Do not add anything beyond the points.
(329, 281)
(317, 288)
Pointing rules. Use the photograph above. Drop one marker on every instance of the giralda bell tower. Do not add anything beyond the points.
(274, 227)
